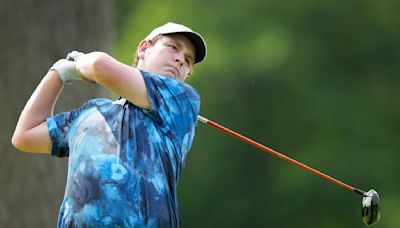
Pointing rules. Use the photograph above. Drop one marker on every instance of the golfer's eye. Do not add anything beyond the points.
(173, 47)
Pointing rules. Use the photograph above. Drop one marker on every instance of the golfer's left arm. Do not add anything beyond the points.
(31, 133)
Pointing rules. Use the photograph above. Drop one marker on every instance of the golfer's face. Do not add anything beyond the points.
(171, 56)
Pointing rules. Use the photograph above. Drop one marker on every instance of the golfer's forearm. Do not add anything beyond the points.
(41, 104)
(30, 133)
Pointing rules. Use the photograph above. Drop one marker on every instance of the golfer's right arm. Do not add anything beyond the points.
(31, 133)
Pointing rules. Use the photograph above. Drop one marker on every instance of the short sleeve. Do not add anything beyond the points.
(59, 127)
(175, 105)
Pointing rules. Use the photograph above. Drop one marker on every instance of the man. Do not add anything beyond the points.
(125, 156)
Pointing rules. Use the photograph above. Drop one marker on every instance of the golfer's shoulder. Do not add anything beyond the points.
(192, 93)
(177, 87)
(184, 93)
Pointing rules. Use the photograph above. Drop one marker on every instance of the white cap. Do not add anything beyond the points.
(196, 39)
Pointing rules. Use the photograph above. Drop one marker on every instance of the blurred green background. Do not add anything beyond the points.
(315, 80)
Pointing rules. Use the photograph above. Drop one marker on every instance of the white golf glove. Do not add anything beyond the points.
(66, 68)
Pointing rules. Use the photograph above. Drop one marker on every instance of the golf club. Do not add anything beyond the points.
(370, 202)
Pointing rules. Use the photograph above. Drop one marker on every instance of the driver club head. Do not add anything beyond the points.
(370, 207)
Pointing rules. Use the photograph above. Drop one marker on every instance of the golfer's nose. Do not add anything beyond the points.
(179, 58)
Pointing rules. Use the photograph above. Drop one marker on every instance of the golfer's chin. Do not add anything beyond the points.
(170, 74)
(163, 72)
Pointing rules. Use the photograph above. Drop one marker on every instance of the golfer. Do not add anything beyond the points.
(125, 156)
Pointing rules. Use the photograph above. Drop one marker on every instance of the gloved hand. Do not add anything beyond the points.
(66, 68)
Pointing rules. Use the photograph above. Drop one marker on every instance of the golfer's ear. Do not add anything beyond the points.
(143, 45)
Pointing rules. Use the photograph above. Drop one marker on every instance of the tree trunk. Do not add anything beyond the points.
(34, 34)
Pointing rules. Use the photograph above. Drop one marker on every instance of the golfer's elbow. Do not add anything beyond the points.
(20, 142)
(29, 142)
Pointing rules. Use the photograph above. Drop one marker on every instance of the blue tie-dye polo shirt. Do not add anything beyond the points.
(125, 162)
